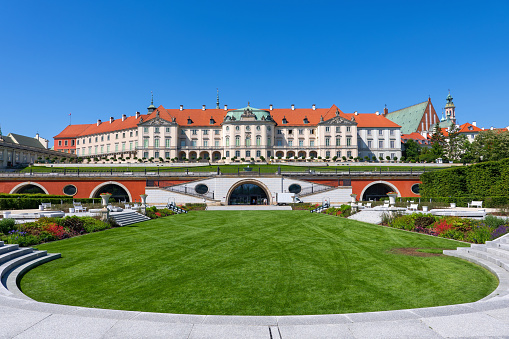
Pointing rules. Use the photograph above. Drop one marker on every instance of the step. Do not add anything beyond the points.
(8, 248)
(1, 243)
(503, 240)
(487, 255)
(14, 277)
(497, 244)
(13, 254)
(502, 289)
(7, 267)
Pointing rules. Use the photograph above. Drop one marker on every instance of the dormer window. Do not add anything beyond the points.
(189, 121)
(470, 128)
(306, 121)
(212, 121)
(284, 120)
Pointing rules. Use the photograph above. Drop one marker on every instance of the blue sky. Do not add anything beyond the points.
(98, 59)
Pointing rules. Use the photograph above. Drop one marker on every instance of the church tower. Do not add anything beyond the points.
(450, 109)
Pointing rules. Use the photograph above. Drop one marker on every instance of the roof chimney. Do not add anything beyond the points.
(137, 115)
(491, 128)
(386, 110)
(355, 112)
(314, 107)
(202, 107)
(225, 107)
(358, 113)
(124, 117)
(111, 119)
(270, 107)
(181, 107)
(474, 123)
(98, 122)
(293, 107)
(377, 113)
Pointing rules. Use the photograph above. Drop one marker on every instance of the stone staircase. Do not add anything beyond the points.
(494, 256)
(128, 217)
(14, 262)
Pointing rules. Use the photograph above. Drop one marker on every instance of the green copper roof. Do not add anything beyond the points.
(23, 140)
(408, 118)
(258, 113)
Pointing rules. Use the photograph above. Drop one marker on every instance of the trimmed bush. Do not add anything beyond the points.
(7, 225)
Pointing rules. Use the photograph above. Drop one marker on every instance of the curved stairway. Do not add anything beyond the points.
(494, 256)
(14, 262)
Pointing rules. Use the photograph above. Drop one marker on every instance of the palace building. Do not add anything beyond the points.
(222, 133)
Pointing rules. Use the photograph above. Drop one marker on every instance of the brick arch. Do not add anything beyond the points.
(250, 181)
(94, 191)
(23, 184)
(391, 185)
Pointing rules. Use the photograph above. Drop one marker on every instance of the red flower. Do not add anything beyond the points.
(158, 214)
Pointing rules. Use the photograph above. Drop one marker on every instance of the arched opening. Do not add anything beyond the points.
(302, 154)
(204, 155)
(216, 156)
(117, 193)
(312, 154)
(290, 154)
(30, 189)
(248, 193)
(192, 155)
(280, 154)
(182, 155)
(377, 191)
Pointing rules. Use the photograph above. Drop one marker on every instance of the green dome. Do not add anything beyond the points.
(248, 112)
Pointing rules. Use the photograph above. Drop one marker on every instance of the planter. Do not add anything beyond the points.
(143, 199)
(71, 210)
(105, 198)
(392, 198)
(7, 215)
(353, 196)
(425, 208)
(453, 205)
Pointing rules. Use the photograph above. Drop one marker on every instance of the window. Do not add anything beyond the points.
(311, 143)
(227, 141)
(290, 131)
(338, 129)
(89, 150)
(145, 142)
(380, 155)
(201, 188)
(393, 155)
(258, 154)
(136, 143)
(194, 131)
(268, 142)
(391, 132)
(123, 135)
(392, 143)
(206, 132)
(145, 154)
(370, 143)
(301, 131)
(312, 131)
(338, 154)
(145, 129)
(89, 140)
(182, 132)
(380, 132)
(107, 148)
(327, 154)
(116, 147)
(348, 128)
(123, 146)
(167, 131)
(130, 145)
(59, 142)
(248, 128)
(167, 155)
(369, 132)
(131, 134)
(258, 128)
(349, 141)
(338, 141)
(65, 142)
(237, 154)
(327, 129)
(102, 149)
(167, 142)
(156, 142)
(248, 154)
(136, 135)
(205, 143)
(216, 132)
(96, 139)
(279, 142)
(237, 128)
(193, 143)
(294, 188)
(108, 136)
(269, 154)
(237, 140)
(77, 153)
(216, 143)
(290, 143)
(258, 140)
(380, 144)
(301, 142)
(227, 128)
(156, 155)
(182, 143)
(248, 141)
(349, 154)
(227, 155)
(95, 150)
(116, 136)
(327, 141)
(279, 131)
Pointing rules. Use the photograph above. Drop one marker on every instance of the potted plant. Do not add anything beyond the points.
(392, 198)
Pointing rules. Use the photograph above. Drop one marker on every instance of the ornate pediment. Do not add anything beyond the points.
(339, 120)
(157, 121)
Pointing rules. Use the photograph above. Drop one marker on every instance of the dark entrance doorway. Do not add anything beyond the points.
(117, 193)
(376, 192)
(248, 194)
(30, 189)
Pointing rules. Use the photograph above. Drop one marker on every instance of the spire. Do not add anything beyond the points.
(0, 130)
(151, 108)
(217, 101)
(152, 100)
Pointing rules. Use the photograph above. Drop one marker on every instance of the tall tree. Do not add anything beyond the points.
(411, 150)
(491, 145)
(437, 143)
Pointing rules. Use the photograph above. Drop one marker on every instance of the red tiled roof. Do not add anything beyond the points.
(414, 136)
(71, 131)
(370, 120)
(465, 128)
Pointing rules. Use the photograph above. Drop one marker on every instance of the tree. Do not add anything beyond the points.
(438, 143)
(455, 146)
(490, 145)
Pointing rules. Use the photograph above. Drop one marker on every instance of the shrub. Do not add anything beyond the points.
(7, 225)
(74, 224)
(21, 238)
(404, 222)
(442, 226)
(499, 231)
(93, 225)
(494, 222)
(424, 221)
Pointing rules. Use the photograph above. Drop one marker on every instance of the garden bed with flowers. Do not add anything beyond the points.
(463, 229)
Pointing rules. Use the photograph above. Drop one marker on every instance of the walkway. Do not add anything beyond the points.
(249, 208)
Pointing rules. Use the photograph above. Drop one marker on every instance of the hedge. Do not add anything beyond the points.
(477, 182)
(19, 203)
(462, 201)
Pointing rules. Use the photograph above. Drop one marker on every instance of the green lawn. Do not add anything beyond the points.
(254, 263)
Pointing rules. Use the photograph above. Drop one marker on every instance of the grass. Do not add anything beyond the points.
(254, 263)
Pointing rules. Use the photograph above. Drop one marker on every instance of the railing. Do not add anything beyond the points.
(314, 189)
(321, 208)
(189, 191)
(175, 208)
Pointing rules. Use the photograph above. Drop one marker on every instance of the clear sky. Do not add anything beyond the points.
(98, 59)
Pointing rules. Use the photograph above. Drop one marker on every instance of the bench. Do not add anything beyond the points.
(46, 205)
(413, 207)
(475, 203)
(386, 204)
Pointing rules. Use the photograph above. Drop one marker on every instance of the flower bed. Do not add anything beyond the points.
(469, 230)
(49, 229)
(343, 211)
(154, 213)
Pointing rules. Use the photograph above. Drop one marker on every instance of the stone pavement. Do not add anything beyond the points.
(249, 208)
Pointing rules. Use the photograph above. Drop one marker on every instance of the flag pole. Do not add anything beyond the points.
(70, 118)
